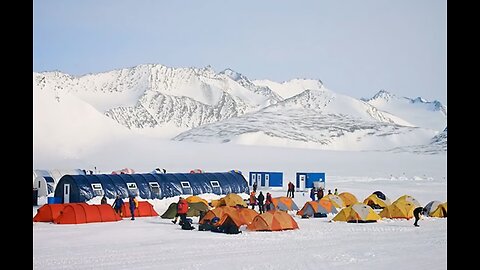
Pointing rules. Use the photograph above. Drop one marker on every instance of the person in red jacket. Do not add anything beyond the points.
(182, 209)
(268, 201)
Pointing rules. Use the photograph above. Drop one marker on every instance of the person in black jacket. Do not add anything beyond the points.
(260, 199)
(416, 213)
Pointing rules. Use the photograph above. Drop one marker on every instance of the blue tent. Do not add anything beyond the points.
(81, 188)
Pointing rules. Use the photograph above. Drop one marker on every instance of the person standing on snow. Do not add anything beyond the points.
(260, 202)
(320, 193)
(268, 201)
(103, 200)
(253, 199)
(416, 213)
(312, 194)
(117, 205)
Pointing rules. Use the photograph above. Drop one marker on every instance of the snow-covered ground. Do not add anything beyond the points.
(155, 243)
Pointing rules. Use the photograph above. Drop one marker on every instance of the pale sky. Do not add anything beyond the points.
(355, 47)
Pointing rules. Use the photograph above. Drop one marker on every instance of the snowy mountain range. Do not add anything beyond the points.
(200, 105)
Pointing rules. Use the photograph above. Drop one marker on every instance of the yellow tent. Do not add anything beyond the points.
(348, 198)
(357, 213)
(230, 199)
(195, 199)
(408, 198)
(436, 209)
(377, 200)
(233, 199)
(399, 209)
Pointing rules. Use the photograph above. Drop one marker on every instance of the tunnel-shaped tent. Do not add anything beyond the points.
(76, 213)
(81, 188)
(48, 212)
(44, 185)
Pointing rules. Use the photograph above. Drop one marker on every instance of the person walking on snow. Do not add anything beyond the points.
(133, 204)
(182, 209)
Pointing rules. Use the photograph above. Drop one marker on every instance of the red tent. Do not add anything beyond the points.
(75, 213)
(145, 209)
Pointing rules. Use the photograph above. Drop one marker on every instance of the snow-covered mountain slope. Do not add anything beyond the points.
(314, 119)
(155, 95)
(66, 126)
(290, 88)
(328, 102)
(417, 111)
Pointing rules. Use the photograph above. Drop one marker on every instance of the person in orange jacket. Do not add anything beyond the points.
(182, 209)
(253, 199)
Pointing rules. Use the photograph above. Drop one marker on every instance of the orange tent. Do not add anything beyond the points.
(348, 198)
(273, 220)
(216, 212)
(145, 209)
(284, 203)
(241, 216)
(327, 205)
(336, 200)
(76, 213)
(313, 207)
(49, 212)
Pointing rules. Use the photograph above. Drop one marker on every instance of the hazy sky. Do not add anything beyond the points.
(354, 47)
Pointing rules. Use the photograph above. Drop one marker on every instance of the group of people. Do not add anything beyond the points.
(118, 204)
(259, 200)
(319, 193)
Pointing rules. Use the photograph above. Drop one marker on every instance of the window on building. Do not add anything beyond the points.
(97, 189)
(132, 185)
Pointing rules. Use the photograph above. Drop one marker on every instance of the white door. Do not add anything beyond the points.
(302, 178)
(66, 193)
(259, 179)
(267, 180)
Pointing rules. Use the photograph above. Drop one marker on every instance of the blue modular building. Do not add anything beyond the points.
(306, 180)
(266, 179)
(81, 188)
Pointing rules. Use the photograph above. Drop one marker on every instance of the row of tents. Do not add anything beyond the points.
(233, 209)
(76, 213)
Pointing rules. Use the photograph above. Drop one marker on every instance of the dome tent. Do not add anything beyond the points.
(81, 188)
